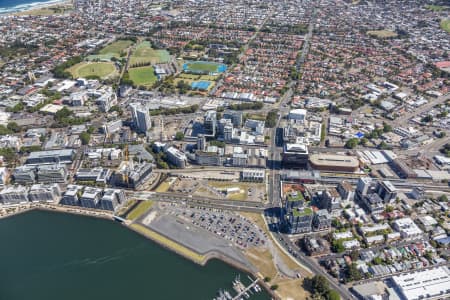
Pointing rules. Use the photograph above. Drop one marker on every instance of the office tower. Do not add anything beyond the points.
(141, 118)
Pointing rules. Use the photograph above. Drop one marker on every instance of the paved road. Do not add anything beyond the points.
(402, 120)
(398, 183)
(313, 265)
(249, 206)
(125, 67)
(274, 180)
(430, 149)
(308, 37)
(197, 169)
(275, 152)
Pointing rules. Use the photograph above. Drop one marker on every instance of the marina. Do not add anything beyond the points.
(92, 252)
(243, 291)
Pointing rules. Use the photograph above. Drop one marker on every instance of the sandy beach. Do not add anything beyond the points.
(38, 8)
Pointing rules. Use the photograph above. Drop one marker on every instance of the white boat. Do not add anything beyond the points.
(228, 295)
(221, 296)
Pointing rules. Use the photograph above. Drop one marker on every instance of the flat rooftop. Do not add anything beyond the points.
(334, 160)
(424, 284)
(63, 152)
(296, 148)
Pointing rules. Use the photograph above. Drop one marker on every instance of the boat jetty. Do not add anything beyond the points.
(243, 292)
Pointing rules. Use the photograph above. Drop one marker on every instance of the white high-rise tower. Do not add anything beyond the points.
(141, 117)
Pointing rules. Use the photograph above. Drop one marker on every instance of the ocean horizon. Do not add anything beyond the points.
(12, 6)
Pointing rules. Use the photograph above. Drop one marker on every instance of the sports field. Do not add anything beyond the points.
(100, 57)
(143, 76)
(437, 8)
(445, 24)
(116, 47)
(196, 85)
(144, 53)
(203, 67)
(111, 50)
(382, 33)
(86, 69)
(200, 85)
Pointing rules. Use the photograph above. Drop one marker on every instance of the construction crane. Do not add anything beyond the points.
(107, 136)
(161, 135)
(125, 174)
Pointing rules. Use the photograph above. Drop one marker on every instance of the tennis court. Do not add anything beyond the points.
(200, 85)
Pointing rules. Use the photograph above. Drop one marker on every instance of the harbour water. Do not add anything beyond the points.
(55, 256)
(11, 6)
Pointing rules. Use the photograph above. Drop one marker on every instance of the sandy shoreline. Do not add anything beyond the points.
(24, 9)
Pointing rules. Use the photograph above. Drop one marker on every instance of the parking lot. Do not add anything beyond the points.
(236, 229)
